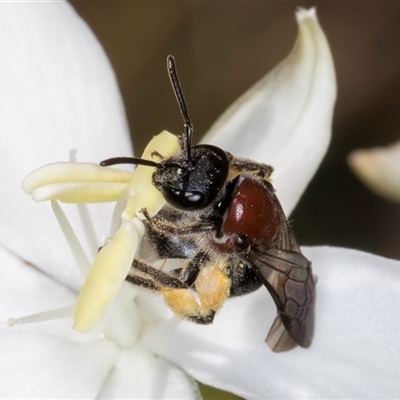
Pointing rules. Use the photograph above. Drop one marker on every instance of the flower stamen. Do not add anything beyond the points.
(91, 183)
(74, 244)
(49, 315)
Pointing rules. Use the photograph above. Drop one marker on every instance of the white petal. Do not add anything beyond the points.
(26, 290)
(46, 360)
(46, 367)
(58, 92)
(355, 352)
(285, 119)
(139, 374)
(379, 169)
(42, 360)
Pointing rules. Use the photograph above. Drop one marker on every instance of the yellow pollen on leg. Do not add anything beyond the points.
(212, 286)
(182, 302)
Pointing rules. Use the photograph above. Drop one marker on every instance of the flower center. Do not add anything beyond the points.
(105, 286)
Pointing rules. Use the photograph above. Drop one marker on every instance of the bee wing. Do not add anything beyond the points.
(287, 275)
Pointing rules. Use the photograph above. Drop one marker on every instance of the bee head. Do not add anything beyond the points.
(192, 184)
(192, 179)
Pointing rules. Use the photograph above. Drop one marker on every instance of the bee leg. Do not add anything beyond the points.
(143, 282)
(184, 278)
(211, 284)
(177, 294)
(160, 278)
(165, 227)
(212, 288)
(189, 274)
(181, 301)
(203, 320)
(245, 165)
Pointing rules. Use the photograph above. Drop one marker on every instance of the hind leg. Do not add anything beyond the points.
(211, 284)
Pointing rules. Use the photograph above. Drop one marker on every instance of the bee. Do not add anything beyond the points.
(222, 216)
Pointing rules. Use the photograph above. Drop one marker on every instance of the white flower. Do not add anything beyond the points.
(58, 93)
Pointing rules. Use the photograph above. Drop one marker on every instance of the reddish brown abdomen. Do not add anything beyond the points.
(253, 212)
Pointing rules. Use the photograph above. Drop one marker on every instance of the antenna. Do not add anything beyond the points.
(128, 160)
(176, 85)
(173, 76)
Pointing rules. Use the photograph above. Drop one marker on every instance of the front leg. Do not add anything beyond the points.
(165, 227)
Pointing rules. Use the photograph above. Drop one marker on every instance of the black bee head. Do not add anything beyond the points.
(192, 179)
(192, 184)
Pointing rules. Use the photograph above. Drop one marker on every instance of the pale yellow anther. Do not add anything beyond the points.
(77, 192)
(114, 260)
(144, 194)
(107, 274)
(76, 183)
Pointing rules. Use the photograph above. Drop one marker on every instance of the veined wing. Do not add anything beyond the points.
(288, 277)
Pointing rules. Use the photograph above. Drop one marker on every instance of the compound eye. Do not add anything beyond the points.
(182, 199)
